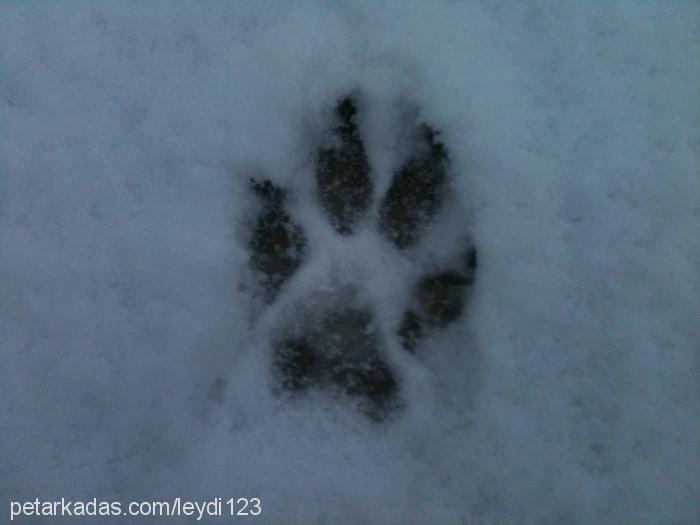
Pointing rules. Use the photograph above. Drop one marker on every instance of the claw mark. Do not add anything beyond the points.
(439, 300)
(278, 245)
(342, 173)
(415, 194)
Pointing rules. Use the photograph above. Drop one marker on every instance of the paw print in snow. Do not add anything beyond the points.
(331, 340)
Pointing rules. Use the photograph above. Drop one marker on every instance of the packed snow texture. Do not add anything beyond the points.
(569, 393)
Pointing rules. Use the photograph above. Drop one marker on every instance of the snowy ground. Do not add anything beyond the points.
(570, 394)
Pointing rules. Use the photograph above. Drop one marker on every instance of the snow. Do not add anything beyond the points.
(570, 392)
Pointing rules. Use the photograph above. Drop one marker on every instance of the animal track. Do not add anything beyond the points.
(332, 341)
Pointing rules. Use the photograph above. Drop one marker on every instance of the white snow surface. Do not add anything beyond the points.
(569, 393)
